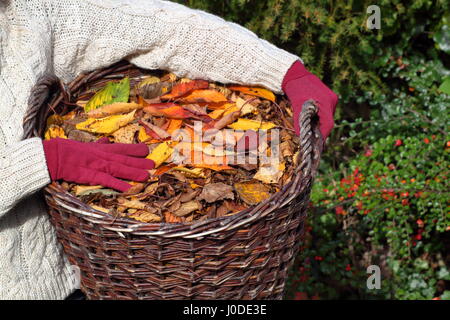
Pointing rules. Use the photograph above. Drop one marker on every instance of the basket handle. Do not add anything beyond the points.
(35, 116)
(311, 141)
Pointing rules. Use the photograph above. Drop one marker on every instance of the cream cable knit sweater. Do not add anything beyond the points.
(68, 37)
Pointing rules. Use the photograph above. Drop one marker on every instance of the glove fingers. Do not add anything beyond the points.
(134, 150)
(119, 170)
(139, 163)
(94, 177)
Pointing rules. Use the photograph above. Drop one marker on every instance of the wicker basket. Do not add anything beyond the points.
(244, 256)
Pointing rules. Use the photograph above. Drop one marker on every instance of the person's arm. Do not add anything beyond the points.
(23, 170)
(154, 34)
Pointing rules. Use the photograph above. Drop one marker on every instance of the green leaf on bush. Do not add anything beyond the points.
(445, 86)
(442, 38)
(111, 93)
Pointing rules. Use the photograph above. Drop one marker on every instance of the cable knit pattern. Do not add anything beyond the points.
(68, 37)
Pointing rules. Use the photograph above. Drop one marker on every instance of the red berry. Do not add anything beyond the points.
(426, 140)
(398, 143)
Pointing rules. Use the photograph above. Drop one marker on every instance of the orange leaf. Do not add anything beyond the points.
(175, 112)
(216, 106)
(171, 218)
(183, 88)
(174, 125)
(213, 167)
(208, 96)
(258, 92)
(163, 169)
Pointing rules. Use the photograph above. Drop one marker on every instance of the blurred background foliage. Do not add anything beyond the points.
(382, 194)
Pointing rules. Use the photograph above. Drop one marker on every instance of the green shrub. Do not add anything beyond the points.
(381, 196)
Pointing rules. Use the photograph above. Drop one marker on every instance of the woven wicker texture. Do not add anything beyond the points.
(244, 256)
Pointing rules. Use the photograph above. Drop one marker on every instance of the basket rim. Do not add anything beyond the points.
(310, 149)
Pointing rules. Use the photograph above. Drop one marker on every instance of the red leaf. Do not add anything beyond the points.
(183, 88)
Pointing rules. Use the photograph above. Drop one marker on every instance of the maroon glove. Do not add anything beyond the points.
(97, 163)
(300, 85)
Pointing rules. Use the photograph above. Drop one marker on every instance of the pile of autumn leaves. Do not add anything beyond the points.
(154, 108)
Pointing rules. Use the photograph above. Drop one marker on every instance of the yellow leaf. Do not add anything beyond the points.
(161, 153)
(248, 124)
(192, 173)
(106, 125)
(143, 136)
(54, 132)
(258, 92)
(148, 81)
(230, 108)
(252, 192)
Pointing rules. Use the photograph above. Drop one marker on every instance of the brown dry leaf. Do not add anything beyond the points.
(145, 216)
(171, 218)
(126, 133)
(79, 189)
(99, 208)
(187, 208)
(216, 191)
(245, 106)
(287, 148)
(114, 108)
(269, 173)
(189, 195)
(134, 204)
(252, 193)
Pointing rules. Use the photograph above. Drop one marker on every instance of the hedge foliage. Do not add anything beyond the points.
(382, 195)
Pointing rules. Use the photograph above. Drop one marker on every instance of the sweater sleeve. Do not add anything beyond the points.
(23, 170)
(154, 34)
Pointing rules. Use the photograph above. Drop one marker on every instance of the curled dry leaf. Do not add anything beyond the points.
(270, 173)
(115, 108)
(216, 191)
(126, 133)
(145, 216)
(187, 208)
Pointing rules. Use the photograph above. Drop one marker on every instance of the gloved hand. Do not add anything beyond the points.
(97, 163)
(300, 85)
